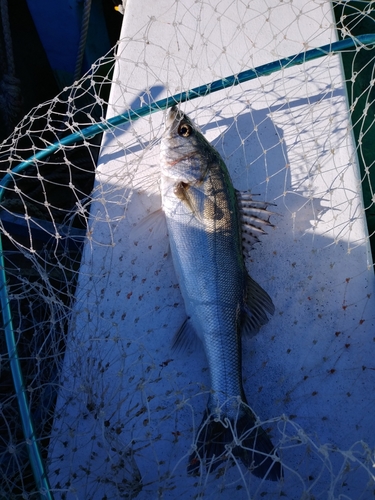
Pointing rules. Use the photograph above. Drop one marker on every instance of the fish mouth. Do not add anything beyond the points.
(173, 118)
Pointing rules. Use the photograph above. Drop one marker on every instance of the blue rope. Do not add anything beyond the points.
(40, 475)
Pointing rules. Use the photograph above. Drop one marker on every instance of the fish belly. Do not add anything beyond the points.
(211, 281)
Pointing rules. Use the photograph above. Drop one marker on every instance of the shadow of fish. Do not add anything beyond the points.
(210, 226)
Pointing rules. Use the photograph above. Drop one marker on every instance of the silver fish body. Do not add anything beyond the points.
(204, 216)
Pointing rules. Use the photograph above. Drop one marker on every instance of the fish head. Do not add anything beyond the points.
(173, 119)
(184, 152)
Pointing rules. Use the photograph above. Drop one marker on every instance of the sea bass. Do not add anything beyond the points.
(209, 223)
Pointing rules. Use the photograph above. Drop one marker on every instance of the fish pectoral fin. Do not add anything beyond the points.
(202, 206)
(152, 227)
(186, 193)
(186, 337)
(258, 304)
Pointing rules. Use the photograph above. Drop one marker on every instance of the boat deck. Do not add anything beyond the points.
(126, 398)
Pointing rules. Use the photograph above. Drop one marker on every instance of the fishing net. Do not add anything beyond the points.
(93, 296)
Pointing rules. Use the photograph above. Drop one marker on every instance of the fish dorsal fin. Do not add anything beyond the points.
(258, 303)
(185, 338)
(254, 217)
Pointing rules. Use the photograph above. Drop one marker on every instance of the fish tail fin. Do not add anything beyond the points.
(243, 439)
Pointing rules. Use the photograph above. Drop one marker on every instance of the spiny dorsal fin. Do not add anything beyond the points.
(254, 216)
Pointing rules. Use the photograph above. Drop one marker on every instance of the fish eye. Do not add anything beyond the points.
(184, 130)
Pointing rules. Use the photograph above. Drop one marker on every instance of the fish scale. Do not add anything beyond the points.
(205, 215)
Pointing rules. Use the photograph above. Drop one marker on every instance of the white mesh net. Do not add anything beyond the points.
(115, 410)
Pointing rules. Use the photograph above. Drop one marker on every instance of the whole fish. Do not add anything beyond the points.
(210, 225)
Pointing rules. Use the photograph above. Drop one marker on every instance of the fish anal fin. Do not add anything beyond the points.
(258, 305)
(185, 338)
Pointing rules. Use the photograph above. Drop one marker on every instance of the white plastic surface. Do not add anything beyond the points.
(286, 138)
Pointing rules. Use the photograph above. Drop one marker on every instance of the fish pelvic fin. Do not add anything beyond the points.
(153, 227)
(221, 439)
(185, 338)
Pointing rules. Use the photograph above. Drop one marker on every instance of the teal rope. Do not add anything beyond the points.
(40, 475)
(35, 458)
(201, 91)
